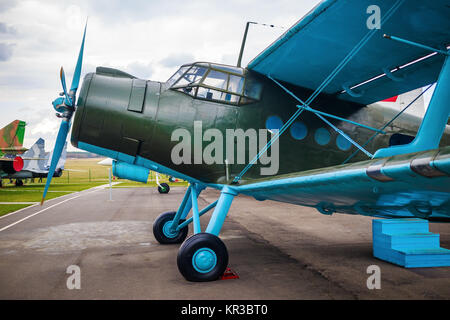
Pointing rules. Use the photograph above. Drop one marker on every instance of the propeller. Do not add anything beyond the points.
(65, 108)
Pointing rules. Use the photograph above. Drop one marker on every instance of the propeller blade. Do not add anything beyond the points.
(62, 76)
(59, 145)
(77, 72)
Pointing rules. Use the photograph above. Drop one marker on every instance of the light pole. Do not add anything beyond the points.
(243, 42)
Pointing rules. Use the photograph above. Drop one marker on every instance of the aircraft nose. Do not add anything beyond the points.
(114, 111)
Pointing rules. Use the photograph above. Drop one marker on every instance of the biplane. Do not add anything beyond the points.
(310, 96)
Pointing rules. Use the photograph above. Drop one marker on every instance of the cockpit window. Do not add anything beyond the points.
(235, 84)
(216, 79)
(177, 75)
(217, 83)
(190, 77)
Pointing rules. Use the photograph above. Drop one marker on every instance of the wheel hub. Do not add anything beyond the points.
(204, 260)
(167, 232)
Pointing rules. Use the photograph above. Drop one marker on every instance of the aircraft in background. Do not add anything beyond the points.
(20, 163)
(36, 163)
(308, 95)
(11, 141)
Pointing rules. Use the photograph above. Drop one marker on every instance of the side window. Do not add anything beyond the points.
(235, 84)
(253, 88)
(216, 79)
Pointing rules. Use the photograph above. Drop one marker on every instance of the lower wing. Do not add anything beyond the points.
(411, 185)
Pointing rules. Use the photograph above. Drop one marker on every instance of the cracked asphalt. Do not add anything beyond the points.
(279, 251)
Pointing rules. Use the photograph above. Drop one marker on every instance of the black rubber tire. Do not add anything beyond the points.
(158, 226)
(188, 249)
(165, 188)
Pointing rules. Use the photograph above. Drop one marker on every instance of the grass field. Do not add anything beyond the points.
(79, 174)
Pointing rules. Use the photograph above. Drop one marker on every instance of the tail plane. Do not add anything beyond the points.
(11, 138)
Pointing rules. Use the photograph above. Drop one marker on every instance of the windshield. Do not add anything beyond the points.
(216, 82)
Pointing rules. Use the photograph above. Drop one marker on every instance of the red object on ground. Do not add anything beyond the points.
(229, 274)
(18, 164)
(391, 99)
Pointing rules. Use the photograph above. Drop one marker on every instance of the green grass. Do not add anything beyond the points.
(29, 193)
(81, 174)
(7, 208)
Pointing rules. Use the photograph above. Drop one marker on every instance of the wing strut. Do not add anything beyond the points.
(304, 106)
(388, 123)
(433, 124)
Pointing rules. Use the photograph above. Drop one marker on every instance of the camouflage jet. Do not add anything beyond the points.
(17, 162)
(11, 141)
(36, 163)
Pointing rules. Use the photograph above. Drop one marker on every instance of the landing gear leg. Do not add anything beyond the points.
(203, 256)
(166, 227)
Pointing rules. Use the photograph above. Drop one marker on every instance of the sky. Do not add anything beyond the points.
(146, 38)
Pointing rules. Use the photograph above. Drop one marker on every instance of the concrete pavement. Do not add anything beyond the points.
(280, 251)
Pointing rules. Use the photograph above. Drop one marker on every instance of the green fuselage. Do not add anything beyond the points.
(117, 112)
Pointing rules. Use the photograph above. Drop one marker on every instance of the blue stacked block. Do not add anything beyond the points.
(408, 243)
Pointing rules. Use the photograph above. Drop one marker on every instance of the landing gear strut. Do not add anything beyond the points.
(203, 256)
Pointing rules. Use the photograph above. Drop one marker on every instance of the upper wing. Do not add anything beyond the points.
(310, 50)
(415, 184)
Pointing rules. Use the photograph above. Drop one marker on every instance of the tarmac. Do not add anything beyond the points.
(279, 251)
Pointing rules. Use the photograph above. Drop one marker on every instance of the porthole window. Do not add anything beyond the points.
(322, 136)
(343, 143)
(298, 130)
(274, 123)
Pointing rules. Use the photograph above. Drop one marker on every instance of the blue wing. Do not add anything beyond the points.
(309, 51)
(400, 186)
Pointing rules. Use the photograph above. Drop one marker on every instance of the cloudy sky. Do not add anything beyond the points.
(147, 38)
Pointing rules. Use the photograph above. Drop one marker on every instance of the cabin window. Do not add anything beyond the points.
(253, 88)
(235, 84)
(215, 82)
(216, 79)
(399, 139)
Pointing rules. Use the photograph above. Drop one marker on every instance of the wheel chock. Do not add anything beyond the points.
(229, 274)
